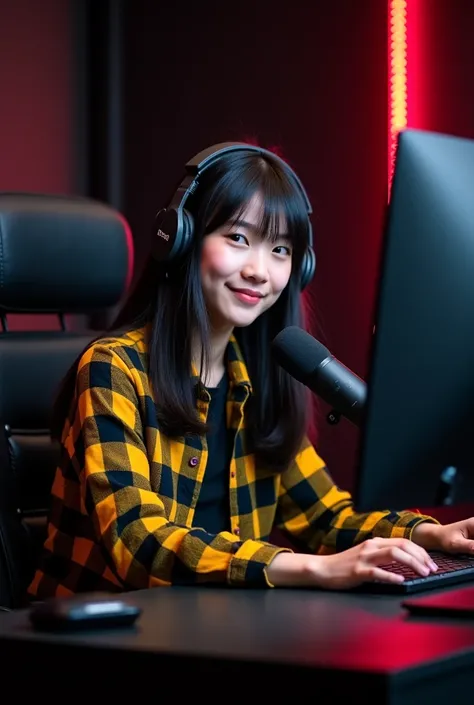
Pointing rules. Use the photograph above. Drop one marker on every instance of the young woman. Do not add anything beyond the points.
(184, 444)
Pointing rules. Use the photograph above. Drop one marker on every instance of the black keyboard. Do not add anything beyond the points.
(451, 570)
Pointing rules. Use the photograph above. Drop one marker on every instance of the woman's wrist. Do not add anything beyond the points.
(425, 534)
(289, 570)
(295, 570)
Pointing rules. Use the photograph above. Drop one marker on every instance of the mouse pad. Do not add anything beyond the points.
(452, 603)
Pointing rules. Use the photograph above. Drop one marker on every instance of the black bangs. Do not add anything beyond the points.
(231, 184)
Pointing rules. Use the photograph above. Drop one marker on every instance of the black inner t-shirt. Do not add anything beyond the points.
(212, 511)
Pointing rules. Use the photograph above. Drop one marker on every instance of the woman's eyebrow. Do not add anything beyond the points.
(240, 223)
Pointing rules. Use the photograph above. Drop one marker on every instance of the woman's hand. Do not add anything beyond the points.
(449, 538)
(352, 567)
(361, 563)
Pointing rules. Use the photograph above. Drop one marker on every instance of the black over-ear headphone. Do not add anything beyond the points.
(174, 226)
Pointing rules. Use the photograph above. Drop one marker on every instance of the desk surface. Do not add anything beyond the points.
(353, 640)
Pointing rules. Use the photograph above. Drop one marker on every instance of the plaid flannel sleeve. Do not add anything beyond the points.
(314, 510)
(143, 547)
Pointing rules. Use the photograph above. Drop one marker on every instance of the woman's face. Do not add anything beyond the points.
(243, 274)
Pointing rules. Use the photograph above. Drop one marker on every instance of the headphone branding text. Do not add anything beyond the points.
(162, 234)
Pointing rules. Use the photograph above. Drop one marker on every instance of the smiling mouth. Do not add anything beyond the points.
(249, 292)
(247, 296)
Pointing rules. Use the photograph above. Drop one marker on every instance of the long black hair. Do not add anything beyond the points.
(169, 300)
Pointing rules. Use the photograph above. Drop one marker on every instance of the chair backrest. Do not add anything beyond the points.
(64, 256)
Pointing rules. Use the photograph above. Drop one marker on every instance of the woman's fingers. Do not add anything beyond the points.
(386, 576)
(406, 552)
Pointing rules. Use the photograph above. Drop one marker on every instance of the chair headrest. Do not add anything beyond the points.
(61, 254)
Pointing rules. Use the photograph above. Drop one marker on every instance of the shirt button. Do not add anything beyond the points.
(237, 531)
(193, 461)
(232, 474)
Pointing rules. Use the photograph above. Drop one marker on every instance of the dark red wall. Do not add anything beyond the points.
(36, 117)
(441, 66)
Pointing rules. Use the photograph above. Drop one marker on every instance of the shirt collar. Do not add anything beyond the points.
(236, 367)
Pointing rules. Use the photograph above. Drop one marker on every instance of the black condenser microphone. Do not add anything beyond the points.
(308, 361)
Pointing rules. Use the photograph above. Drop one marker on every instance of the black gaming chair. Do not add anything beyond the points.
(62, 256)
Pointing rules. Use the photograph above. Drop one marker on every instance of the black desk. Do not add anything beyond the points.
(229, 642)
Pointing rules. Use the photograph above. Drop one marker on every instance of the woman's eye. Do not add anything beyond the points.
(282, 250)
(237, 237)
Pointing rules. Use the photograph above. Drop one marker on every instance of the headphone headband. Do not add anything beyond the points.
(204, 159)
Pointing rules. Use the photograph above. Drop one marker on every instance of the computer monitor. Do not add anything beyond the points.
(418, 432)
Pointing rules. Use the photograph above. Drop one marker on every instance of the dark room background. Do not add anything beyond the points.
(109, 99)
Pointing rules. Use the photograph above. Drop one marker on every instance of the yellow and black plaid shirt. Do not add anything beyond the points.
(124, 495)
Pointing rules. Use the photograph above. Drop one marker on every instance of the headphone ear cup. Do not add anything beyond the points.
(165, 229)
(187, 234)
(173, 234)
(308, 267)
